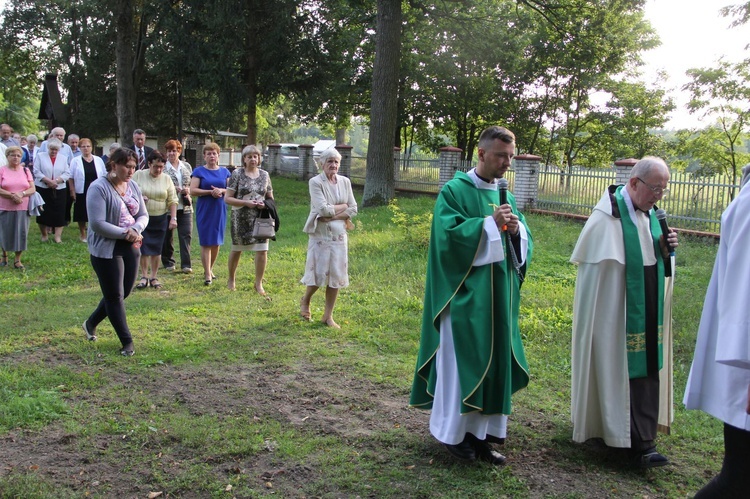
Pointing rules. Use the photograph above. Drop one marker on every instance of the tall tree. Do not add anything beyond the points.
(636, 111)
(723, 93)
(379, 178)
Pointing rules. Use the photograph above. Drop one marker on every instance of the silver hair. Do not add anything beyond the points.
(647, 165)
(251, 149)
(32, 137)
(54, 144)
(328, 153)
(113, 146)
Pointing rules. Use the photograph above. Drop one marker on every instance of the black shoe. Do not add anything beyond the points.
(494, 440)
(128, 350)
(465, 450)
(485, 452)
(651, 459)
(89, 334)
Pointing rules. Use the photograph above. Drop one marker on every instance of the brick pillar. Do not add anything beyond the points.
(345, 168)
(307, 167)
(526, 183)
(396, 162)
(448, 164)
(622, 170)
(274, 158)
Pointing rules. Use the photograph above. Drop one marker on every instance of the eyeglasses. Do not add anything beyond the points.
(658, 191)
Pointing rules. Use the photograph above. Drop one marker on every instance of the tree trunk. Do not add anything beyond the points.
(340, 136)
(380, 184)
(124, 71)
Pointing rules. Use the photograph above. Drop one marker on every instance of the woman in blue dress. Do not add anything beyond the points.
(209, 183)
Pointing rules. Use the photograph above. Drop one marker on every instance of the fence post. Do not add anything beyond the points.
(448, 163)
(396, 162)
(274, 156)
(526, 183)
(345, 168)
(622, 170)
(307, 169)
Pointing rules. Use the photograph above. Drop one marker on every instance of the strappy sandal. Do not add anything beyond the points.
(143, 283)
(154, 283)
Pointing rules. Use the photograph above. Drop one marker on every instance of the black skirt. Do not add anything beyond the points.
(54, 207)
(153, 236)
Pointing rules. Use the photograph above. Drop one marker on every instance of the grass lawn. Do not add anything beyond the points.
(230, 395)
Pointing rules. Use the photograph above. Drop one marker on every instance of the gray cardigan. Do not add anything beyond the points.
(103, 205)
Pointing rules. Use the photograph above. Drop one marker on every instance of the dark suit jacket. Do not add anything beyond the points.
(146, 151)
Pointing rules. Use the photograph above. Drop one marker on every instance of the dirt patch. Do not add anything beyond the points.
(312, 401)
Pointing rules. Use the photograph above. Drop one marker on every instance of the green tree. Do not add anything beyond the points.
(636, 112)
(723, 93)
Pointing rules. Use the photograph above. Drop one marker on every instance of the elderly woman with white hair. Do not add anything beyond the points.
(51, 173)
(332, 206)
(248, 192)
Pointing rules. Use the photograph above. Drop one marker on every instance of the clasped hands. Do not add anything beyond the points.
(132, 236)
(217, 192)
(17, 197)
(252, 203)
(506, 219)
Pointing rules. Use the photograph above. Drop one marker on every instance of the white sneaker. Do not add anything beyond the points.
(187, 270)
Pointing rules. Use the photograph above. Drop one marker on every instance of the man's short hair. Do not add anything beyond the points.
(138, 131)
(73, 136)
(495, 132)
(646, 165)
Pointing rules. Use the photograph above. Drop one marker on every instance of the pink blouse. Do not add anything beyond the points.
(14, 181)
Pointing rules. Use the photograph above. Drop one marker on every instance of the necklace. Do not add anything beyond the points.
(120, 192)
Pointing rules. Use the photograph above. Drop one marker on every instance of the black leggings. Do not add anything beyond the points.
(116, 278)
(734, 479)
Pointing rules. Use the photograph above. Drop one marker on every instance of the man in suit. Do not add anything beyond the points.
(141, 149)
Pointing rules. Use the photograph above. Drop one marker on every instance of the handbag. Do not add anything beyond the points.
(263, 228)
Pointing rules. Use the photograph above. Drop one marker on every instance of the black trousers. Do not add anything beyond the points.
(644, 392)
(184, 237)
(734, 479)
(116, 278)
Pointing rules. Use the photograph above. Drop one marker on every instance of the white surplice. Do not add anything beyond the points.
(720, 373)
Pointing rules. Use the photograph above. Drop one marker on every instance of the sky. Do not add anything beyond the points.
(693, 35)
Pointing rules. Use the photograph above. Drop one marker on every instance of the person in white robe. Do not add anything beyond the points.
(719, 381)
(608, 399)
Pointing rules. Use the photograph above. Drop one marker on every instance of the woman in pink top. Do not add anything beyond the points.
(16, 185)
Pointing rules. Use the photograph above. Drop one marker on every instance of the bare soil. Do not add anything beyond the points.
(312, 401)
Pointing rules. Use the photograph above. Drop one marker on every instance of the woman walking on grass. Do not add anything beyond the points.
(117, 217)
(332, 206)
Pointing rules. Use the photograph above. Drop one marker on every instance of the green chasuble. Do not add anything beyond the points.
(483, 301)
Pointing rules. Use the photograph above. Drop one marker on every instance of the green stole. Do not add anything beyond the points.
(635, 302)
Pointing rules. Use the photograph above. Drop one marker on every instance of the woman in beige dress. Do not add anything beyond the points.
(332, 206)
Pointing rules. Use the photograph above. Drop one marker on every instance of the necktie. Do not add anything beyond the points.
(141, 159)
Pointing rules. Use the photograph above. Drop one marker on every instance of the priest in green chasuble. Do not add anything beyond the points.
(621, 390)
(471, 358)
